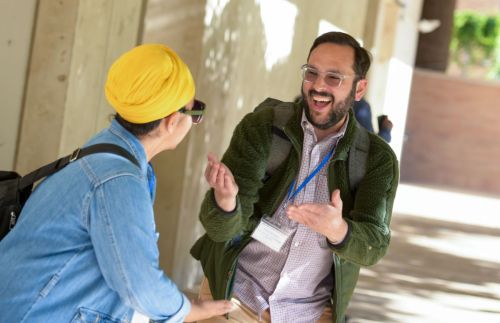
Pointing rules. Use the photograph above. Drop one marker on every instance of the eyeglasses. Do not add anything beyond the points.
(196, 112)
(310, 74)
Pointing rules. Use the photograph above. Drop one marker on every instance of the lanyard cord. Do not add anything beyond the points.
(291, 195)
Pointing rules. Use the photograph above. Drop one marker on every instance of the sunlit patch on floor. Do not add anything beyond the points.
(442, 265)
(462, 245)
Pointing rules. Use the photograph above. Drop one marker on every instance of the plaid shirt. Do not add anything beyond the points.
(294, 283)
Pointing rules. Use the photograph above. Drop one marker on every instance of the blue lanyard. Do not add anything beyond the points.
(291, 195)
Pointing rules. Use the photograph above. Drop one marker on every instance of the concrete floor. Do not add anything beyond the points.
(443, 264)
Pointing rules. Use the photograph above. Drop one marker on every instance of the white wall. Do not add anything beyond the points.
(391, 73)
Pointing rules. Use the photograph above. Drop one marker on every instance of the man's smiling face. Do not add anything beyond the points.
(328, 105)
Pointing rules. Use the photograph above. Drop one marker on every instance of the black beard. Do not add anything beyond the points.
(336, 114)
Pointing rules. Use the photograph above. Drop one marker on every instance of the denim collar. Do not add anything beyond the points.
(132, 142)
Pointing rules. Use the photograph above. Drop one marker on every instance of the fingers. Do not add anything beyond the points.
(309, 208)
(212, 158)
(219, 177)
(202, 310)
(217, 307)
(317, 216)
(228, 181)
(221, 173)
(224, 306)
(315, 209)
(387, 124)
(301, 213)
(213, 171)
(336, 200)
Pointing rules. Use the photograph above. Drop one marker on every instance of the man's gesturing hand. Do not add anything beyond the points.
(220, 178)
(325, 219)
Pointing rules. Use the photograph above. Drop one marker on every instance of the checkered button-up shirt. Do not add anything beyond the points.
(294, 283)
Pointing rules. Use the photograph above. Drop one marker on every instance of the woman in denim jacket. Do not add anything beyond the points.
(85, 247)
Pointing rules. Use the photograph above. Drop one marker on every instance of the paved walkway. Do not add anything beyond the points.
(443, 264)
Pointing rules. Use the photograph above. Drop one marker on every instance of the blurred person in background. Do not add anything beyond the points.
(363, 113)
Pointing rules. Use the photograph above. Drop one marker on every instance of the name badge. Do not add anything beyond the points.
(270, 235)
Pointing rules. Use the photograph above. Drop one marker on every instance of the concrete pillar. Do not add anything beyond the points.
(178, 24)
(41, 125)
(74, 42)
(16, 24)
(391, 73)
(104, 30)
(434, 47)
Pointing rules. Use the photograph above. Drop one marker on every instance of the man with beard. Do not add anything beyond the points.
(289, 248)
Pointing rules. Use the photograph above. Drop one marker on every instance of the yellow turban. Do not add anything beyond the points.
(148, 83)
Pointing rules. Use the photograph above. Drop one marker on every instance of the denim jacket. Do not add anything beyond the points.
(85, 246)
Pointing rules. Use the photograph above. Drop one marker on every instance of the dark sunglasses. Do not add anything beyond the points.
(196, 112)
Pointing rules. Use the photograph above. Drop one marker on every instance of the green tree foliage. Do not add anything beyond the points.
(476, 41)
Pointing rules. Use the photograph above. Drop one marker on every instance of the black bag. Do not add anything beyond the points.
(15, 189)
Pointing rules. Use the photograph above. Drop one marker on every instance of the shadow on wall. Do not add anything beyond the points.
(435, 271)
(224, 64)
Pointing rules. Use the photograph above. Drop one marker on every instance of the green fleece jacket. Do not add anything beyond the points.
(367, 211)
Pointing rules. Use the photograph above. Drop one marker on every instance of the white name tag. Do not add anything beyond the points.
(270, 235)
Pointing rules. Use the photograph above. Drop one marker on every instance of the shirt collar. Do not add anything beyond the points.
(309, 128)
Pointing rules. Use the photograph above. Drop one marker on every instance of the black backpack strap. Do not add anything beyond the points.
(279, 150)
(104, 148)
(280, 144)
(358, 156)
(55, 166)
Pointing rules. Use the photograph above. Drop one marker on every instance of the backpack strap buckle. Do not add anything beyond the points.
(74, 156)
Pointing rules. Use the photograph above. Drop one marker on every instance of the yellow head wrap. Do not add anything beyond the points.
(148, 83)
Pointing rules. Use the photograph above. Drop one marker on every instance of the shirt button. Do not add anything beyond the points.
(369, 247)
(296, 244)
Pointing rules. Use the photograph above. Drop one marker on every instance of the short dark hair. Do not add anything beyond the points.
(362, 58)
(138, 129)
